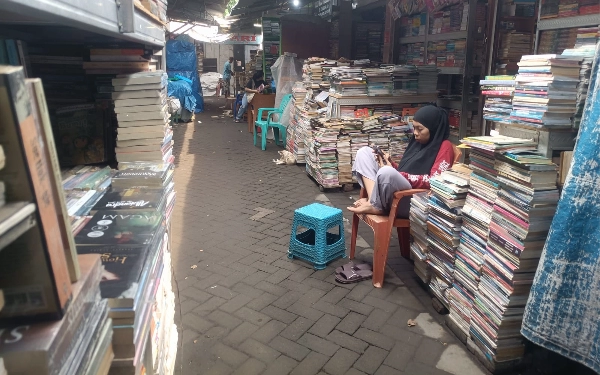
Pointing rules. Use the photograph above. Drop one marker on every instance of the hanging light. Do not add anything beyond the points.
(296, 3)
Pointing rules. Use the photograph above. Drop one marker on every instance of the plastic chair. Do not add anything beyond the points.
(316, 244)
(382, 229)
(267, 123)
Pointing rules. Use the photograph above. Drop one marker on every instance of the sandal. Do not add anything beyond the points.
(354, 266)
(350, 276)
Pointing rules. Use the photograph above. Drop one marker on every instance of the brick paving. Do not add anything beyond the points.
(245, 308)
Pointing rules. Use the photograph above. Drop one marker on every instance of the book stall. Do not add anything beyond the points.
(86, 193)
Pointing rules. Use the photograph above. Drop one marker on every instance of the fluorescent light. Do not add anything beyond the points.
(296, 3)
(257, 25)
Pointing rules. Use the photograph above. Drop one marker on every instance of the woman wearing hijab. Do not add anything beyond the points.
(428, 154)
(254, 86)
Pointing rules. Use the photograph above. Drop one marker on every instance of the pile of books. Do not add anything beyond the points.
(412, 54)
(379, 82)
(452, 18)
(399, 135)
(556, 41)
(344, 154)
(358, 140)
(498, 91)
(513, 45)
(119, 61)
(521, 218)
(133, 262)
(414, 25)
(348, 81)
(427, 81)
(299, 129)
(546, 90)
(144, 132)
(585, 47)
(321, 158)
(406, 80)
(447, 53)
(419, 248)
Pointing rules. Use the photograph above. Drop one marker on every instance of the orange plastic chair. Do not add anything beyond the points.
(382, 230)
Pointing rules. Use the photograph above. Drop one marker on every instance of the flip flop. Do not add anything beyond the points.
(351, 276)
(354, 266)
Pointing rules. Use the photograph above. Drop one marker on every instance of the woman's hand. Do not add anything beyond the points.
(386, 157)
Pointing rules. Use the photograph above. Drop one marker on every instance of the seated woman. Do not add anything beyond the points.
(428, 154)
(254, 86)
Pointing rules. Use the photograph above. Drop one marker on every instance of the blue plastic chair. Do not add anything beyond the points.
(316, 244)
(267, 123)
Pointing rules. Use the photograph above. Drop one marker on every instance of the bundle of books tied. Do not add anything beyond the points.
(546, 90)
(523, 197)
(498, 91)
(419, 209)
(144, 132)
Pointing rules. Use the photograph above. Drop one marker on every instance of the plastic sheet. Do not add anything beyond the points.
(182, 61)
(287, 70)
(182, 91)
(209, 82)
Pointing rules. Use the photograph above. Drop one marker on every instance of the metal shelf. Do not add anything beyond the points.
(99, 16)
(447, 36)
(450, 70)
(412, 39)
(569, 22)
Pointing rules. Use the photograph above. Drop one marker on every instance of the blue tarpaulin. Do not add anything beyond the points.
(182, 61)
(182, 90)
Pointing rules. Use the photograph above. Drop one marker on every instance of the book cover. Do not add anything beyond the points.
(118, 228)
(131, 200)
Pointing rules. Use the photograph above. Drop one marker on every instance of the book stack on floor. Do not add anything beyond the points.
(299, 129)
(585, 47)
(314, 72)
(379, 82)
(498, 91)
(427, 79)
(377, 131)
(419, 208)
(546, 90)
(406, 80)
(144, 132)
(344, 153)
(321, 158)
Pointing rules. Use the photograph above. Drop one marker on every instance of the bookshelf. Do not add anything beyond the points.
(454, 41)
(271, 28)
(368, 41)
(561, 28)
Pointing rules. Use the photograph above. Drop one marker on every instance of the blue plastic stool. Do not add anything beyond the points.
(315, 244)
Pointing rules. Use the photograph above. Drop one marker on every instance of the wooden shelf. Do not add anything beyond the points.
(15, 219)
(447, 36)
(569, 22)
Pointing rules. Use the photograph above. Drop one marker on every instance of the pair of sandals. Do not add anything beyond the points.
(353, 273)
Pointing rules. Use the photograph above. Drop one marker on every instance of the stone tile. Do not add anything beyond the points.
(351, 323)
(376, 320)
(318, 344)
(281, 366)
(295, 330)
(251, 367)
(401, 355)
(341, 362)
(370, 361)
(259, 350)
(347, 341)
(269, 331)
(374, 338)
(252, 316)
(279, 314)
(324, 325)
(240, 333)
(289, 348)
(311, 365)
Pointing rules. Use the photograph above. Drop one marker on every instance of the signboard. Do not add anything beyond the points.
(244, 39)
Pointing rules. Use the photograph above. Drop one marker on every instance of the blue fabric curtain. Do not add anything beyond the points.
(563, 310)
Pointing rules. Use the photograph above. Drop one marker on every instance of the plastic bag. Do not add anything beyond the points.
(174, 105)
(287, 70)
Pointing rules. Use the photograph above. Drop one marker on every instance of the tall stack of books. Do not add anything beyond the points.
(344, 154)
(546, 90)
(144, 132)
(398, 136)
(585, 47)
(427, 81)
(377, 131)
(321, 158)
(419, 208)
(119, 61)
(412, 54)
(300, 129)
(520, 222)
(406, 80)
(379, 82)
(498, 91)
(513, 45)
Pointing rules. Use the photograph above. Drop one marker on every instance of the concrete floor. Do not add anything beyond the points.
(245, 308)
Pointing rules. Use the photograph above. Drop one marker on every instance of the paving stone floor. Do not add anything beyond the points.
(245, 308)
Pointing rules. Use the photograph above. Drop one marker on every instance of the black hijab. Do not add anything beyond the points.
(418, 158)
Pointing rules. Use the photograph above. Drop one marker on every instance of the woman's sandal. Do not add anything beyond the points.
(350, 276)
(354, 266)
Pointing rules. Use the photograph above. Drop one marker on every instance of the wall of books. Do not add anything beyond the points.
(271, 28)
(85, 257)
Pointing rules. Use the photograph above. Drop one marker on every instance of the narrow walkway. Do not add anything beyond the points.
(245, 308)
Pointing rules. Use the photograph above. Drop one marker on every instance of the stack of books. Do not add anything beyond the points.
(414, 25)
(451, 18)
(377, 131)
(344, 154)
(419, 248)
(447, 53)
(321, 159)
(443, 237)
(412, 54)
(399, 135)
(546, 90)
(144, 132)
(427, 81)
(519, 226)
(585, 47)
(513, 45)
(406, 80)
(379, 82)
(498, 91)
(556, 41)
(119, 61)
(79, 343)
(348, 81)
